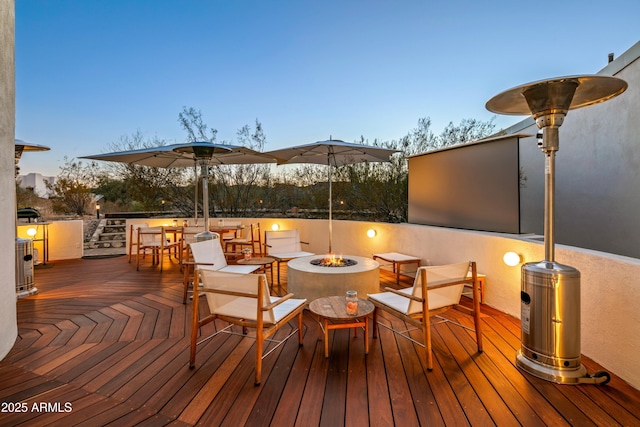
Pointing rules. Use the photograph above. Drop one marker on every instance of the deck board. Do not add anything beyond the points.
(114, 343)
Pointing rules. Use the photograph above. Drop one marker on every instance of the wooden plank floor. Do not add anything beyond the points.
(104, 344)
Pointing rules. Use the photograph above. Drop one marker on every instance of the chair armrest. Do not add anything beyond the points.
(394, 291)
(274, 304)
(197, 263)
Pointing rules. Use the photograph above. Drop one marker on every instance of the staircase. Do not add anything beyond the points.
(110, 238)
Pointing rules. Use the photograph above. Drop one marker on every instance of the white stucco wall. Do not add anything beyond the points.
(610, 291)
(65, 238)
(8, 326)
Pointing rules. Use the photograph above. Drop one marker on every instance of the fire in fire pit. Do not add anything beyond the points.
(331, 260)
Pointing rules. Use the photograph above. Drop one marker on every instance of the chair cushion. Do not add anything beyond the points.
(401, 304)
(395, 301)
(290, 255)
(242, 269)
(286, 307)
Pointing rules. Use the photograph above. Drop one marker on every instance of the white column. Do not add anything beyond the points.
(8, 323)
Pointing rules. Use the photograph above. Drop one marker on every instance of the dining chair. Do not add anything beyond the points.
(435, 290)
(133, 237)
(253, 241)
(208, 255)
(244, 300)
(155, 239)
(283, 246)
(230, 234)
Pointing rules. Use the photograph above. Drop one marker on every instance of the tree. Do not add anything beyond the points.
(142, 188)
(467, 131)
(234, 188)
(191, 121)
(73, 188)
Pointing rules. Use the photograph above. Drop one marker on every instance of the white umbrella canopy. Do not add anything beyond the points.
(190, 154)
(184, 155)
(332, 152)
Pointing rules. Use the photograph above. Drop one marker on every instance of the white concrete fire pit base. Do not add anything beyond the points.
(314, 281)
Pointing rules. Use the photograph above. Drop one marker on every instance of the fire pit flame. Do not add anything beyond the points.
(331, 260)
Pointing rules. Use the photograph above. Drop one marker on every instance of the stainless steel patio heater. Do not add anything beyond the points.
(203, 152)
(550, 292)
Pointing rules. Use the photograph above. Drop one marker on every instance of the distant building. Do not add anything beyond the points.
(38, 183)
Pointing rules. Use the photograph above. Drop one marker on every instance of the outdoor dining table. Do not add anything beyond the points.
(221, 229)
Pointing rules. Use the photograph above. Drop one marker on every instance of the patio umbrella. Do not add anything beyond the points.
(332, 152)
(189, 154)
(22, 146)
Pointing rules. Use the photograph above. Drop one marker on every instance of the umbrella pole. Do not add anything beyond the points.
(330, 207)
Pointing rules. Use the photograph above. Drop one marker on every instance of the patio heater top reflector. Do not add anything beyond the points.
(202, 150)
(545, 96)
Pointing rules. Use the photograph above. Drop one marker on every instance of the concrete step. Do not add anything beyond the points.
(114, 229)
(112, 236)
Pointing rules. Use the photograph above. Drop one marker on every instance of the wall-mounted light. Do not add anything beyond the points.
(512, 259)
(31, 232)
(275, 227)
(371, 233)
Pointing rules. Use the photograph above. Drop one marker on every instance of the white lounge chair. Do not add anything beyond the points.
(283, 246)
(208, 255)
(244, 300)
(435, 290)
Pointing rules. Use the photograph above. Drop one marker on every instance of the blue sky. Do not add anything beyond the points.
(89, 72)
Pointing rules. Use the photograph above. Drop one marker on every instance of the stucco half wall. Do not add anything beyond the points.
(610, 294)
(610, 306)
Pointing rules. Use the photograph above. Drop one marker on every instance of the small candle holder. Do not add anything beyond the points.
(247, 253)
(352, 303)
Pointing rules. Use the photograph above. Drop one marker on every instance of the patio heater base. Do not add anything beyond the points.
(550, 373)
(205, 235)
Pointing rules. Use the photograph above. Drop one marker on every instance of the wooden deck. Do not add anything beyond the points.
(104, 344)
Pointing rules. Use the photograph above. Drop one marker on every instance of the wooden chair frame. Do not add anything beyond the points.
(133, 237)
(422, 320)
(157, 248)
(264, 330)
(254, 240)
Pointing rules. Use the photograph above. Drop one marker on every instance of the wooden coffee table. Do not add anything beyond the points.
(332, 314)
(264, 262)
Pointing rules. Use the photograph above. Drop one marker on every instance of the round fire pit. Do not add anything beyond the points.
(327, 262)
(310, 281)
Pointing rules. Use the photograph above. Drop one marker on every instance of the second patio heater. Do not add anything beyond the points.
(550, 291)
(203, 152)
